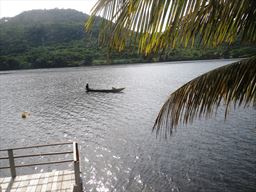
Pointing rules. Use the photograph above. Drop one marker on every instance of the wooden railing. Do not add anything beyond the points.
(12, 165)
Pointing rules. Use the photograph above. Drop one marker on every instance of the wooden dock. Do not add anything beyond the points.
(54, 181)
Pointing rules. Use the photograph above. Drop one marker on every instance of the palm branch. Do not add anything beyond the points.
(159, 24)
(234, 83)
(156, 25)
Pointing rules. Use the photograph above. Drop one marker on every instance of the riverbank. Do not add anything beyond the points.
(126, 63)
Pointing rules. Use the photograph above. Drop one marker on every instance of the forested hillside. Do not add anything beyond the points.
(56, 38)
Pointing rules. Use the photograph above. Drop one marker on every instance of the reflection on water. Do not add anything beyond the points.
(118, 150)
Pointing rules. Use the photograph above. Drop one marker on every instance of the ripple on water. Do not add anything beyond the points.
(118, 151)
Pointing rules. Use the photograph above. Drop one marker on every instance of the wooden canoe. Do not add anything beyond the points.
(113, 90)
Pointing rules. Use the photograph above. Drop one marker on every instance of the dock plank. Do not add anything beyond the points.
(5, 183)
(50, 182)
(16, 183)
(33, 182)
(44, 183)
(56, 181)
(67, 181)
(59, 181)
(40, 183)
(24, 181)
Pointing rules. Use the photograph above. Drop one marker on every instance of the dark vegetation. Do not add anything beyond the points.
(56, 38)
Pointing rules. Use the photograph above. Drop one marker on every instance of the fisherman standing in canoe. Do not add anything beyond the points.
(87, 87)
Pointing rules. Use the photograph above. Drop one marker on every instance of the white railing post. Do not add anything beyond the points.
(11, 162)
(78, 183)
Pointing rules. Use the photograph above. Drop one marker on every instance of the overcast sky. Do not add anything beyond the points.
(10, 8)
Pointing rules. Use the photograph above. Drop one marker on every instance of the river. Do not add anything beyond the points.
(118, 150)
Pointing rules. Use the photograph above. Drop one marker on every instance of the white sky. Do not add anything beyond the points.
(10, 8)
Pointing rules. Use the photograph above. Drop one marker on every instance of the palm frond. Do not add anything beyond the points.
(234, 83)
(159, 24)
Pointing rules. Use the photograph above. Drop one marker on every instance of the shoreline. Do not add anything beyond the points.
(4, 72)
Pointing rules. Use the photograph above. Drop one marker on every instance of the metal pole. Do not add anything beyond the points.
(12, 164)
(78, 182)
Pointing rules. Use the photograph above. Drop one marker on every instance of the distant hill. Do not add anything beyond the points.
(46, 17)
(46, 38)
(56, 38)
(41, 27)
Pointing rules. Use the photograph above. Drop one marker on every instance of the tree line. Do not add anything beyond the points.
(56, 38)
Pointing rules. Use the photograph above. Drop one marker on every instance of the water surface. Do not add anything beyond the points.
(118, 150)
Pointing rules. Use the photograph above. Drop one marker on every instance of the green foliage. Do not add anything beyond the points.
(157, 25)
(8, 63)
(56, 38)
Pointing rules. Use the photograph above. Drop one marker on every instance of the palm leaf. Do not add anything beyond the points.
(234, 83)
(171, 23)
